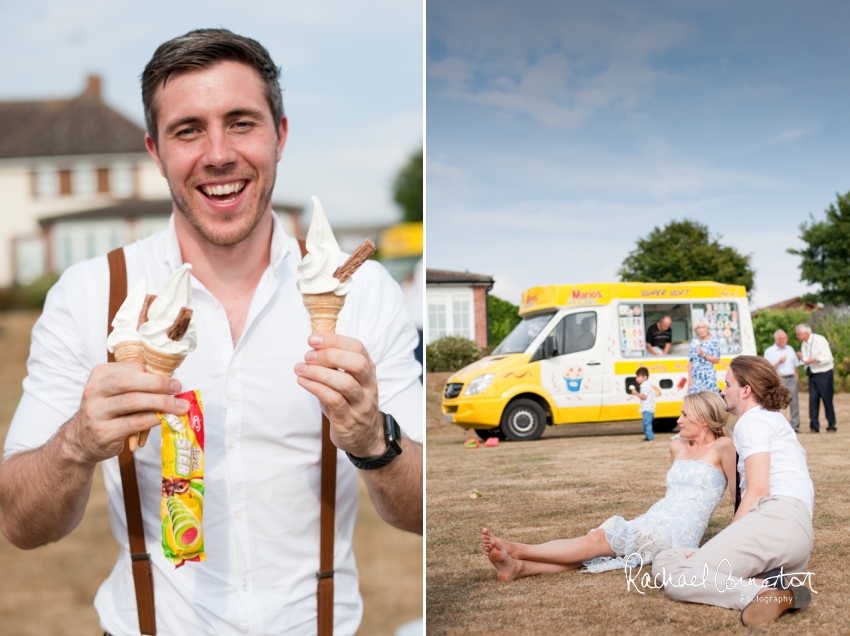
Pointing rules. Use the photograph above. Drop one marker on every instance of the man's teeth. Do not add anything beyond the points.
(224, 188)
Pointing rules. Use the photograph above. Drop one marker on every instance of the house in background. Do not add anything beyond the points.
(457, 305)
(791, 303)
(77, 183)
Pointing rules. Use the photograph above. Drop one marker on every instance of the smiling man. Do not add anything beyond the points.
(216, 129)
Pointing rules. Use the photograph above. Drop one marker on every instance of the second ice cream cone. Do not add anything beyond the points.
(324, 310)
(162, 363)
(129, 351)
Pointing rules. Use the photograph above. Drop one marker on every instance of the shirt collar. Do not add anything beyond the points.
(279, 247)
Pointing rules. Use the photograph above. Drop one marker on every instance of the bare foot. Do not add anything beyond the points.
(507, 568)
(508, 546)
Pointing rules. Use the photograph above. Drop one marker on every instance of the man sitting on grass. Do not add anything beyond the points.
(771, 531)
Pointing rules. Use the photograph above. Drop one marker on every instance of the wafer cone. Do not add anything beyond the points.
(129, 351)
(161, 364)
(323, 309)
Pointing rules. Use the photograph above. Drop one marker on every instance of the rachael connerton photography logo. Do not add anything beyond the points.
(646, 581)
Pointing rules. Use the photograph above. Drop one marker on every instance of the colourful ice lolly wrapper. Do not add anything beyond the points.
(182, 509)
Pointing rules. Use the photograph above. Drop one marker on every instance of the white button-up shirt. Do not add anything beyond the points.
(773, 354)
(262, 446)
(817, 347)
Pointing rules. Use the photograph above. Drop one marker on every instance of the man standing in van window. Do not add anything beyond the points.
(659, 337)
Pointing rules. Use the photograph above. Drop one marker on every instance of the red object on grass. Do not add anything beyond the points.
(492, 442)
(471, 443)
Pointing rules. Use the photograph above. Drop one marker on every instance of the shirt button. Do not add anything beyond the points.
(237, 514)
(245, 586)
(232, 372)
(232, 443)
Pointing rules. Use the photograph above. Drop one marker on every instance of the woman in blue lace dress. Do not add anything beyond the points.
(703, 354)
(703, 464)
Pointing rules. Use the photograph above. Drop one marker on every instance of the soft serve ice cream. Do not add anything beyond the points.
(164, 311)
(125, 325)
(322, 283)
(316, 271)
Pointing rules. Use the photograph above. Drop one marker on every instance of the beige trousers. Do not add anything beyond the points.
(776, 532)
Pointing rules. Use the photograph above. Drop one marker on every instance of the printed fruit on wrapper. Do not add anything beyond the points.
(185, 527)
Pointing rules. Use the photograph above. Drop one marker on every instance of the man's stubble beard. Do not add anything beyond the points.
(224, 240)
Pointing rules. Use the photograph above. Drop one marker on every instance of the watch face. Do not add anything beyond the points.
(392, 432)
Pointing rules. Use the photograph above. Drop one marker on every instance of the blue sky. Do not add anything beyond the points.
(558, 132)
(351, 74)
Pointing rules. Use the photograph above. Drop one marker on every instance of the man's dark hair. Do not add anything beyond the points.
(202, 49)
(642, 371)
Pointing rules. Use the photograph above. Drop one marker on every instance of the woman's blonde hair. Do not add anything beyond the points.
(701, 323)
(708, 407)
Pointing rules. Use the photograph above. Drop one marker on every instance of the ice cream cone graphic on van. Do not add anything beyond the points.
(573, 377)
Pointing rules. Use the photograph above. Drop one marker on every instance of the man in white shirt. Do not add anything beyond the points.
(743, 566)
(817, 356)
(784, 360)
(215, 124)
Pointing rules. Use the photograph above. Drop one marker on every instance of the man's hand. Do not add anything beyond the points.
(339, 372)
(119, 400)
(781, 360)
(800, 355)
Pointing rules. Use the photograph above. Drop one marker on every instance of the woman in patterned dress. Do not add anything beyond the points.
(703, 467)
(703, 354)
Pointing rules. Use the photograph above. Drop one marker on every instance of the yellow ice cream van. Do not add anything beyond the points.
(574, 355)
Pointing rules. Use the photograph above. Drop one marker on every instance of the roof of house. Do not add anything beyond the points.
(791, 303)
(84, 125)
(442, 276)
(135, 208)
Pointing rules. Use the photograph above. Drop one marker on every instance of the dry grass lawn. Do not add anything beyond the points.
(564, 485)
(49, 591)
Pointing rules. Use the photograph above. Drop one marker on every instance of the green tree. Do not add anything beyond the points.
(826, 257)
(503, 317)
(765, 324)
(685, 250)
(407, 189)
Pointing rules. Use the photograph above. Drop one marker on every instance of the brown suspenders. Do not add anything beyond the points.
(142, 574)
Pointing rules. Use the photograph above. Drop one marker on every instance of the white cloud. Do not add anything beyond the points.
(796, 133)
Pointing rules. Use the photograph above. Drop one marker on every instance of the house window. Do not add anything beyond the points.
(450, 313)
(436, 318)
(84, 180)
(46, 181)
(461, 319)
(91, 245)
(121, 180)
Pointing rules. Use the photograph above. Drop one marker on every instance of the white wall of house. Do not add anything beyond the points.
(451, 312)
(130, 175)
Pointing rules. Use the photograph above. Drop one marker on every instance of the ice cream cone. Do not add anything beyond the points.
(323, 309)
(129, 351)
(162, 363)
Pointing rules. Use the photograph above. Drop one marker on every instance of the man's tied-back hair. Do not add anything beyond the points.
(202, 49)
(763, 380)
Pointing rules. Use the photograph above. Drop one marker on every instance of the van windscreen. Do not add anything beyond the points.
(522, 335)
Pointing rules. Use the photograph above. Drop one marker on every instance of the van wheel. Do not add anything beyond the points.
(523, 421)
(664, 424)
(487, 433)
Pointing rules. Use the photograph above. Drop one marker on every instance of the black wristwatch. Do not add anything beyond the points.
(392, 434)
